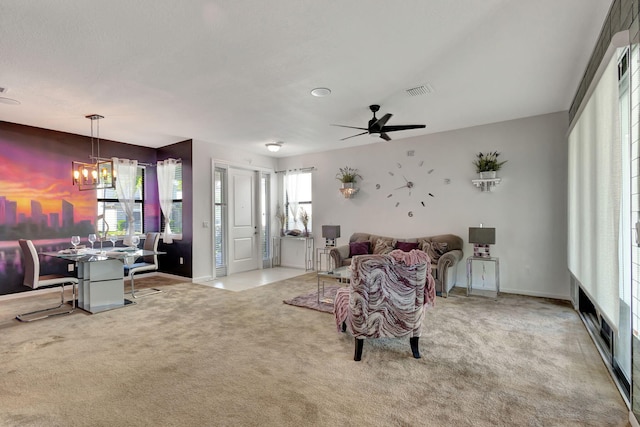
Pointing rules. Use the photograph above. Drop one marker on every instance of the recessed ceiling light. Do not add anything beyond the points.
(9, 101)
(321, 91)
(274, 146)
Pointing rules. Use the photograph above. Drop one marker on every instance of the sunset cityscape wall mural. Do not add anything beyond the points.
(37, 197)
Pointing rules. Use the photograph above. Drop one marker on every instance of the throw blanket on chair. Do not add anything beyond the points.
(387, 295)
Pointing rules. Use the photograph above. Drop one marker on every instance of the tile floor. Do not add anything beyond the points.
(253, 279)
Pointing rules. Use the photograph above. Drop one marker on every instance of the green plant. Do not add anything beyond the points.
(347, 174)
(488, 162)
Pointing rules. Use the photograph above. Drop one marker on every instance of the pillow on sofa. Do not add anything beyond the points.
(407, 246)
(383, 246)
(358, 248)
(434, 249)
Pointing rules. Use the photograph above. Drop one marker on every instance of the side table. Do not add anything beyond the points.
(341, 275)
(322, 254)
(470, 261)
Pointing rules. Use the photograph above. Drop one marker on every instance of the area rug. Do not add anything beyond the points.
(311, 300)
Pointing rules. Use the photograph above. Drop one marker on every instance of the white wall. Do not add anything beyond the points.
(528, 209)
(203, 154)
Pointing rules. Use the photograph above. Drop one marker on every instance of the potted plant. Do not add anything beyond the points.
(347, 176)
(304, 218)
(487, 164)
(282, 218)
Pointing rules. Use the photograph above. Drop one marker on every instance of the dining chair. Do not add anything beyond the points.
(33, 280)
(149, 263)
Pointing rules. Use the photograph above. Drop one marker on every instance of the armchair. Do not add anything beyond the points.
(386, 298)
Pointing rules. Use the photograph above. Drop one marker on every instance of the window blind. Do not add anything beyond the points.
(594, 196)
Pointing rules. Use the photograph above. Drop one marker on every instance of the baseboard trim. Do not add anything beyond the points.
(56, 289)
(31, 293)
(529, 293)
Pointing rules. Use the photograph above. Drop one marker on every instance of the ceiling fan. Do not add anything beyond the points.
(377, 126)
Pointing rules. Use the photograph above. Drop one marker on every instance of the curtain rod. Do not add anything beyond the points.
(307, 169)
(139, 163)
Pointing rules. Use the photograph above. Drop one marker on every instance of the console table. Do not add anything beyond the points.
(279, 241)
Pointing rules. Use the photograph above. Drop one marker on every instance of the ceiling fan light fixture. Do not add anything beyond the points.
(274, 147)
(320, 92)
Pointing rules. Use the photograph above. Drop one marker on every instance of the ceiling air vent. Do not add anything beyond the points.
(420, 90)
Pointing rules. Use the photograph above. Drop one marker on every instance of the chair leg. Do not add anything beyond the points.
(146, 294)
(358, 353)
(23, 317)
(414, 347)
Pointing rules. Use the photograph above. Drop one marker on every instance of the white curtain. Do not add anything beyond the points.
(127, 175)
(166, 176)
(291, 188)
(595, 181)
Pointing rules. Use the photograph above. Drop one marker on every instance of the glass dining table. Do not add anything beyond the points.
(101, 275)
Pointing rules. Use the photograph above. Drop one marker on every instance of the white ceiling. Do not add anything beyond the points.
(240, 73)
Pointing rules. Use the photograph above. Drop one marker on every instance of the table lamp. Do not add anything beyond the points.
(330, 234)
(482, 237)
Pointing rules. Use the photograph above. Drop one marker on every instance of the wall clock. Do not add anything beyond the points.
(408, 184)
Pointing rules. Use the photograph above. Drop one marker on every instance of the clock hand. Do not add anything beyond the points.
(408, 185)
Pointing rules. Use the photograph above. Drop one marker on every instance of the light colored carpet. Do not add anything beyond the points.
(199, 356)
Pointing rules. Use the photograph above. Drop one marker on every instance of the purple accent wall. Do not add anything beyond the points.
(38, 200)
(170, 262)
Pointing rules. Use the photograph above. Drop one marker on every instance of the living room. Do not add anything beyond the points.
(528, 208)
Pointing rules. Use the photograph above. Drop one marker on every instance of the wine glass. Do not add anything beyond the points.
(135, 239)
(75, 241)
(92, 239)
(113, 239)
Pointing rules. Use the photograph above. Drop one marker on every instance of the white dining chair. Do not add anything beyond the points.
(149, 263)
(33, 280)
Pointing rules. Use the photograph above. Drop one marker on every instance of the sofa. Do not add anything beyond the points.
(444, 250)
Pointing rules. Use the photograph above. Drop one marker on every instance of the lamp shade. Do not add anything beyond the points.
(482, 235)
(330, 231)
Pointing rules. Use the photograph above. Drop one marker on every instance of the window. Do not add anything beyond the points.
(297, 200)
(176, 204)
(220, 219)
(115, 220)
(265, 201)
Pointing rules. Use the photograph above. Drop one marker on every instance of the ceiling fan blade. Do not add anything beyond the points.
(401, 127)
(383, 120)
(353, 136)
(385, 136)
(350, 127)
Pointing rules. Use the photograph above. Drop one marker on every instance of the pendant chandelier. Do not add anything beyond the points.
(97, 175)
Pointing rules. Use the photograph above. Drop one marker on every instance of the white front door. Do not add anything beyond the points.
(243, 231)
